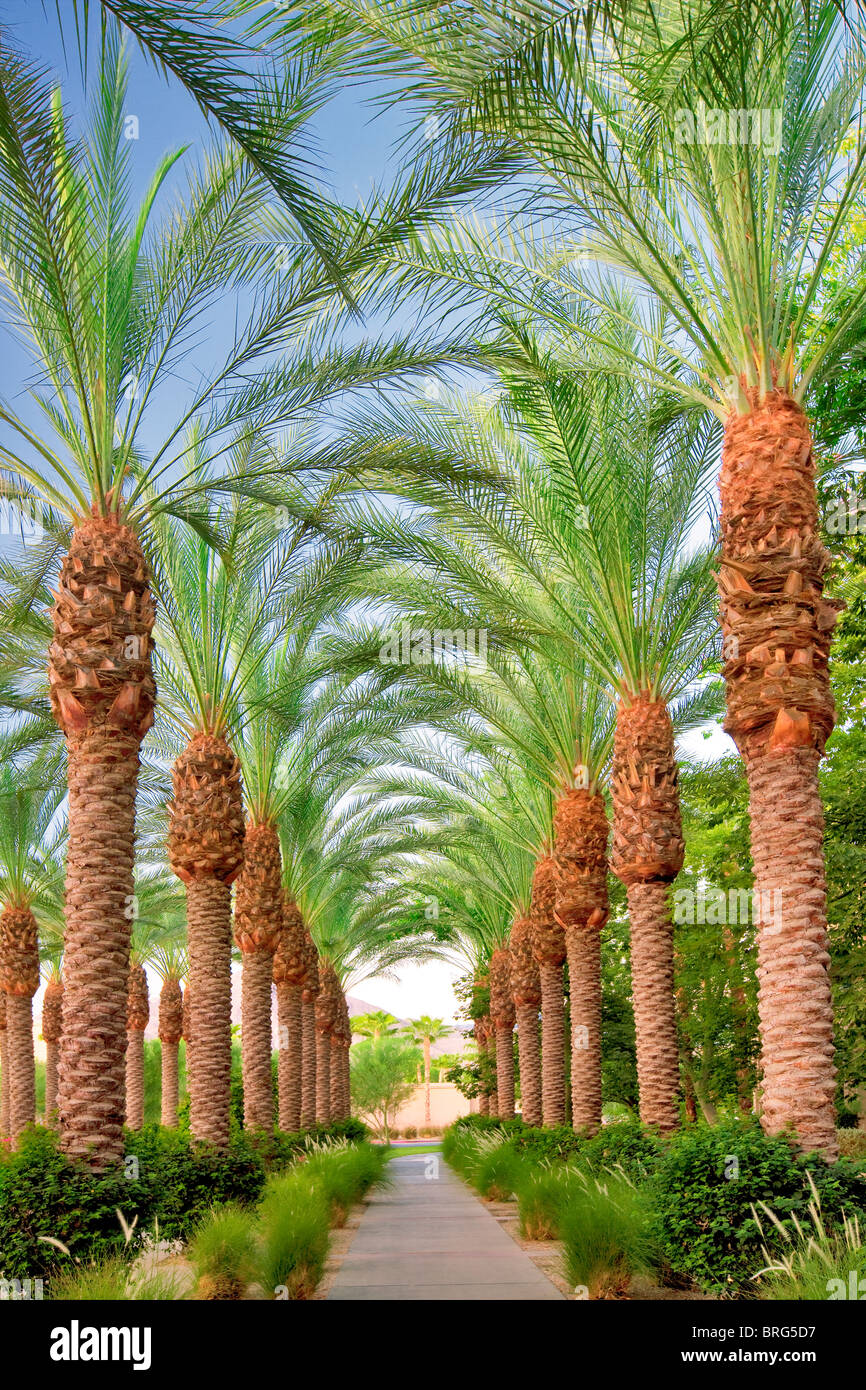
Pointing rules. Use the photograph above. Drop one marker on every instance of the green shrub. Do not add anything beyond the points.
(558, 1142)
(543, 1194)
(190, 1178)
(410, 1132)
(44, 1194)
(606, 1234)
(625, 1146)
(294, 1221)
(707, 1183)
(222, 1252)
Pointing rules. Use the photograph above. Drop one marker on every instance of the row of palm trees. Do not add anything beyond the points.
(639, 299)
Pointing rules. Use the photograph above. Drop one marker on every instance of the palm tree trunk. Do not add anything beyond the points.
(548, 944)
(134, 1078)
(102, 695)
(581, 835)
(336, 1079)
(137, 1018)
(103, 775)
(653, 998)
(505, 1073)
(347, 1079)
(584, 975)
(552, 1045)
(206, 851)
(647, 856)
(795, 1007)
(526, 994)
(4, 1069)
(502, 1015)
(323, 1078)
(209, 931)
(51, 1054)
(490, 1047)
(170, 1084)
(256, 981)
(529, 1053)
(290, 1063)
(777, 628)
(171, 1030)
(22, 1066)
(259, 909)
(309, 1055)
(52, 1028)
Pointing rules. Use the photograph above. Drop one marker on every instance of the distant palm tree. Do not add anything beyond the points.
(374, 1024)
(426, 1031)
(171, 965)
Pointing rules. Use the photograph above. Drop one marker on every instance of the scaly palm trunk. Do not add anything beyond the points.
(581, 833)
(647, 856)
(170, 1034)
(102, 695)
(137, 1015)
(490, 1037)
(548, 944)
(290, 969)
(325, 1022)
(483, 1097)
(336, 1078)
(502, 1017)
(4, 1069)
(19, 961)
(52, 1028)
(258, 929)
(309, 1036)
(777, 628)
(526, 994)
(206, 846)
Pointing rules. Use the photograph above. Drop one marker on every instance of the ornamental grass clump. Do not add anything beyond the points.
(112, 1280)
(346, 1174)
(294, 1222)
(606, 1236)
(497, 1171)
(542, 1196)
(816, 1264)
(222, 1253)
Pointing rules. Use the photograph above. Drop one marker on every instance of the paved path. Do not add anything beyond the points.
(427, 1237)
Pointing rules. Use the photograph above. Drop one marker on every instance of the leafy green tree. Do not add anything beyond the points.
(383, 1079)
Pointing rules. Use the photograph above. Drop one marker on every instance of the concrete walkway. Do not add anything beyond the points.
(427, 1237)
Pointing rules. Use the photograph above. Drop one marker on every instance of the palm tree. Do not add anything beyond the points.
(374, 1024)
(171, 965)
(733, 230)
(426, 1031)
(29, 803)
(104, 306)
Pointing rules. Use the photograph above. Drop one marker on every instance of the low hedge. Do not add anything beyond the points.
(170, 1186)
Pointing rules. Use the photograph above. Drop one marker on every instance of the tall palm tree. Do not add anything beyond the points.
(171, 965)
(104, 305)
(426, 1031)
(711, 153)
(29, 805)
(4, 1068)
